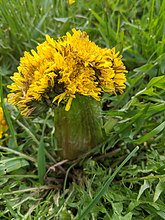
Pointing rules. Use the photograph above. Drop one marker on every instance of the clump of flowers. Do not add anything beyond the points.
(61, 69)
(3, 124)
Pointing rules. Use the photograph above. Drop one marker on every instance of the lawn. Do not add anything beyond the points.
(123, 178)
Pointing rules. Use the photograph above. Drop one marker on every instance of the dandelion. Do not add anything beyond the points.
(72, 72)
(3, 124)
(60, 70)
(70, 2)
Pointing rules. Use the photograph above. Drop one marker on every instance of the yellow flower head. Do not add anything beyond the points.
(3, 124)
(60, 70)
(70, 2)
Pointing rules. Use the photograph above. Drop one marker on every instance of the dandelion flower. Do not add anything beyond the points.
(70, 2)
(3, 124)
(70, 75)
(60, 70)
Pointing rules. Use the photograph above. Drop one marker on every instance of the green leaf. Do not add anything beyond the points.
(117, 208)
(158, 81)
(38, 27)
(41, 162)
(145, 186)
(150, 92)
(109, 124)
(144, 69)
(63, 20)
(161, 214)
(11, 164)
(160, 187)
(96, 15)
(128, 216)
(161, 61)
(151, 134)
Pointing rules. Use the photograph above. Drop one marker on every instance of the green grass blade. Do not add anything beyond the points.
(27, 131)
(41, 162)
(152, 133)
(105, 186)
(22, 155)
(12, 164)
(100, 20)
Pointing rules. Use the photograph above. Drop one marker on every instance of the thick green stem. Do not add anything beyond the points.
(79, 129)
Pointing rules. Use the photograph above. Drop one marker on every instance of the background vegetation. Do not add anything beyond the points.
(136, 118)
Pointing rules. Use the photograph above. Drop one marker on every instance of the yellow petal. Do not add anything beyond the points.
(67, 107)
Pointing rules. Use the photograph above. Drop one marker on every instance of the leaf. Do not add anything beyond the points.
(38, 26)
(155, 109)
(41, 162)
(109, 124)
(3, 181)
(117, 208)
(152, 133)
(133, 204)
(128, 216)
(144, 69)
(100, 20)
(149, 92)
(63, 20)
(158, 81)
(11, 164)
(143, 188)
(160, 187)
(161, 214)
(135, 118)
(161, 61)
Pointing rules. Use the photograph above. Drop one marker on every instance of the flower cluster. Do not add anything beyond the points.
(3, 124)
(60, 70)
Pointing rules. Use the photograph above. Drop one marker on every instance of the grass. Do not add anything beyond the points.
(136, 118)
